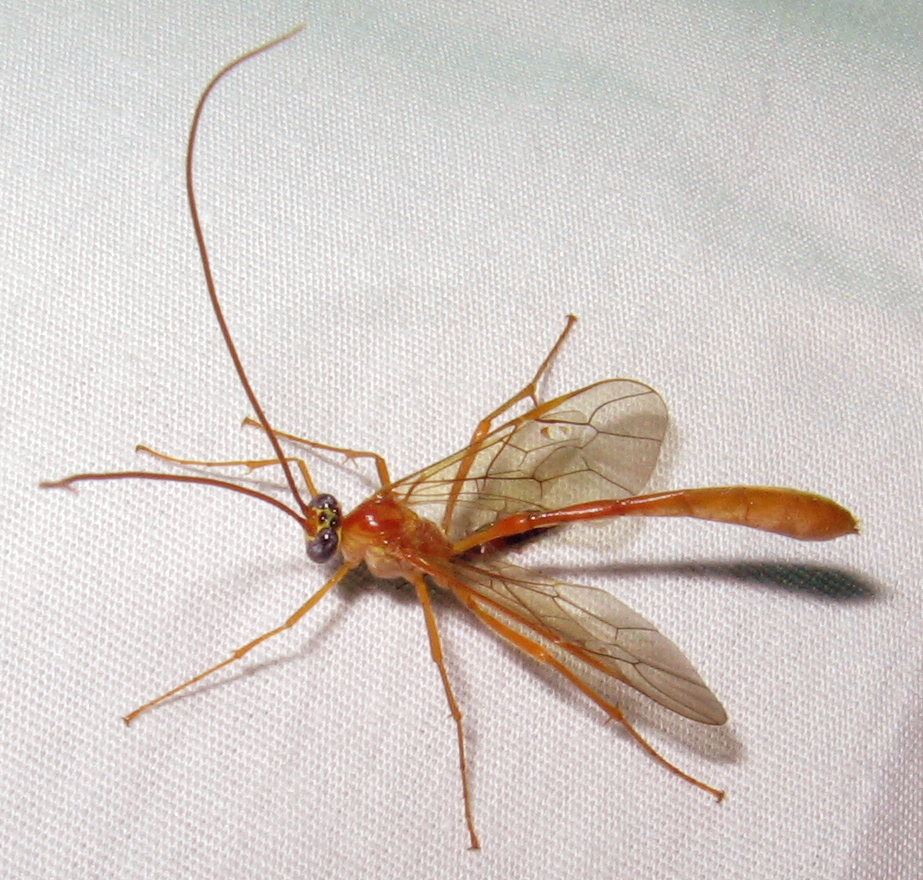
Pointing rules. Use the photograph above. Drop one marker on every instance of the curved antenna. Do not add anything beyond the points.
(206, 266)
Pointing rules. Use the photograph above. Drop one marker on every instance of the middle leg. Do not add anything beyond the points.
(435, 646)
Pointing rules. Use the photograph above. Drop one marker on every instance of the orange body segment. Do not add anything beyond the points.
(788, 512)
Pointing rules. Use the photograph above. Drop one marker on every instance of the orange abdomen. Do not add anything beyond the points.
(788, 512)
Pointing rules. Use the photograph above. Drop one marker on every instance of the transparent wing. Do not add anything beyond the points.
(591, 625)
(599, 442)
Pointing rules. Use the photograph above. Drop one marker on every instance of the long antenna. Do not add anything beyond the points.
(206, 266)
(67, 483)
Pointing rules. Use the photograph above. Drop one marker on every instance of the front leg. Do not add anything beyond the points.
(350, 454)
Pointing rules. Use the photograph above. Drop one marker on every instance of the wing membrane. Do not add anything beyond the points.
(599, 442)
(595, 627)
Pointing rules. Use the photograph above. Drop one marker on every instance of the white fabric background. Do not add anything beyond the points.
(402, 204)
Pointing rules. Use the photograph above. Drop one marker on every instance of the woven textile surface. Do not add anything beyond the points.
(402, 204)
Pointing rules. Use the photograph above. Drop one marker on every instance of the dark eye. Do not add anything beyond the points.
(323, 545)
(324, 502)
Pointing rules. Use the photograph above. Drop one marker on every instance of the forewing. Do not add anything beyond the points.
(595, 627)
(599, 442)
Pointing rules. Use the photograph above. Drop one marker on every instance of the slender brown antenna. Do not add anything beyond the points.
(67, 483)
(206, 266)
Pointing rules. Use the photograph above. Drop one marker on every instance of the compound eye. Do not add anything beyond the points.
(326, 522)
(324, 502)
(323, 545)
